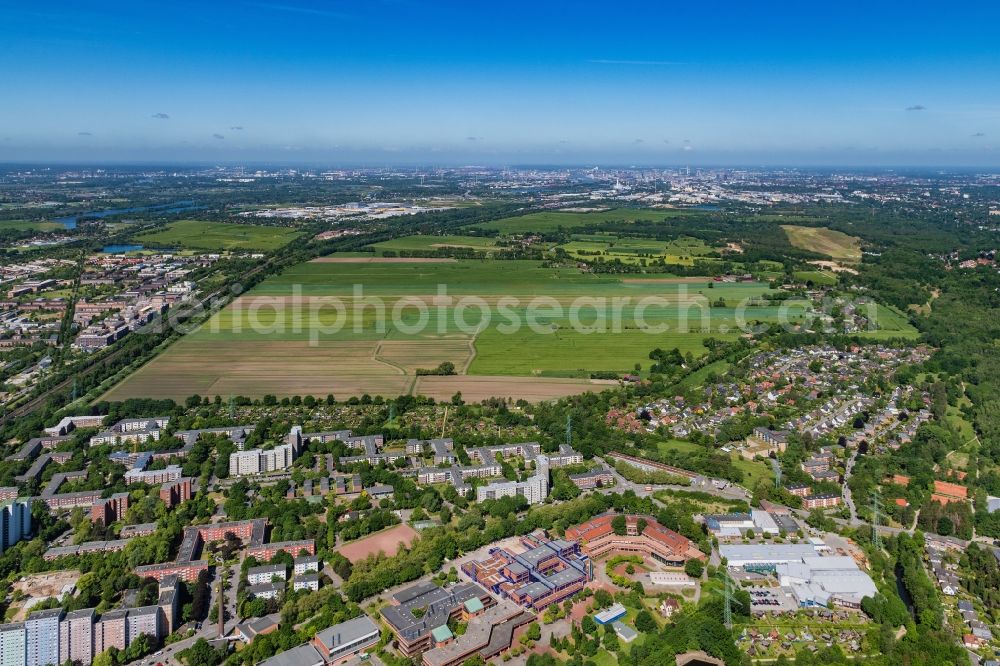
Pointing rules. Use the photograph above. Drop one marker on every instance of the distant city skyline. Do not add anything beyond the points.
(399, 82)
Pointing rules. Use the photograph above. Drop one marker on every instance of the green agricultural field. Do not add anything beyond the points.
(338, 276)
(835, 244)
(430, 243)
(681, 251)
(819, 278)
(320, 327)
(30, 225)
(568, 353)
(554, 221)
(309, 346)
(218, 236)
(784, 217)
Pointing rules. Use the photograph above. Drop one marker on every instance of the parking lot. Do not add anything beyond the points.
(771, 600)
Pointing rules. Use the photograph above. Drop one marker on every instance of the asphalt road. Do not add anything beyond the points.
(701, 484)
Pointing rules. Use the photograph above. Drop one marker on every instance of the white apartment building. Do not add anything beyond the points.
(262, 461)
(266, 573)
(12, 648)
(306, 564)
(534, 490)
(308, 581)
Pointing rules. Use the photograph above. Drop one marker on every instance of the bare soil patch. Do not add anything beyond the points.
(834, 266)
(533, 389)
(42, 586)
(412, 355)
(257, 368)
(387, 541)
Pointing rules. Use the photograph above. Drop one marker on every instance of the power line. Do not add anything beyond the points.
(727, 609)
(876, 519)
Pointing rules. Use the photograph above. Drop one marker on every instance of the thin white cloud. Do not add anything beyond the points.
(647, 63)
(296, 9)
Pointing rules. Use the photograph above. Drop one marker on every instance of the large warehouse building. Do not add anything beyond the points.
(813, 579)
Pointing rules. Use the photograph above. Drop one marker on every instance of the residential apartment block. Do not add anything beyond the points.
(534, 489)
(264, 461)
(15, 521)
(132, 431)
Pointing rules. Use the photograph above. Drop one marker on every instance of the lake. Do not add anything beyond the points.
(120, 249)
(70, 221)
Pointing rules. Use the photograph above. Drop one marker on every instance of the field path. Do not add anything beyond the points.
(464, 370)
(377, 357)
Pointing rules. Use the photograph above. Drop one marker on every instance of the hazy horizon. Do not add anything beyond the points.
(907, 169)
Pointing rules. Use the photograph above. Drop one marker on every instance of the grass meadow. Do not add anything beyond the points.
(217, 236)
(550, 221)
(835, 244)
(30, 225)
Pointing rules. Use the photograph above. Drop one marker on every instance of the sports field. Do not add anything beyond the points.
(387, 541)
(200, 235)
(821, 240)
(354, 325)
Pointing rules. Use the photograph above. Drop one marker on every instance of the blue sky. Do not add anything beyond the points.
(409, 82)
